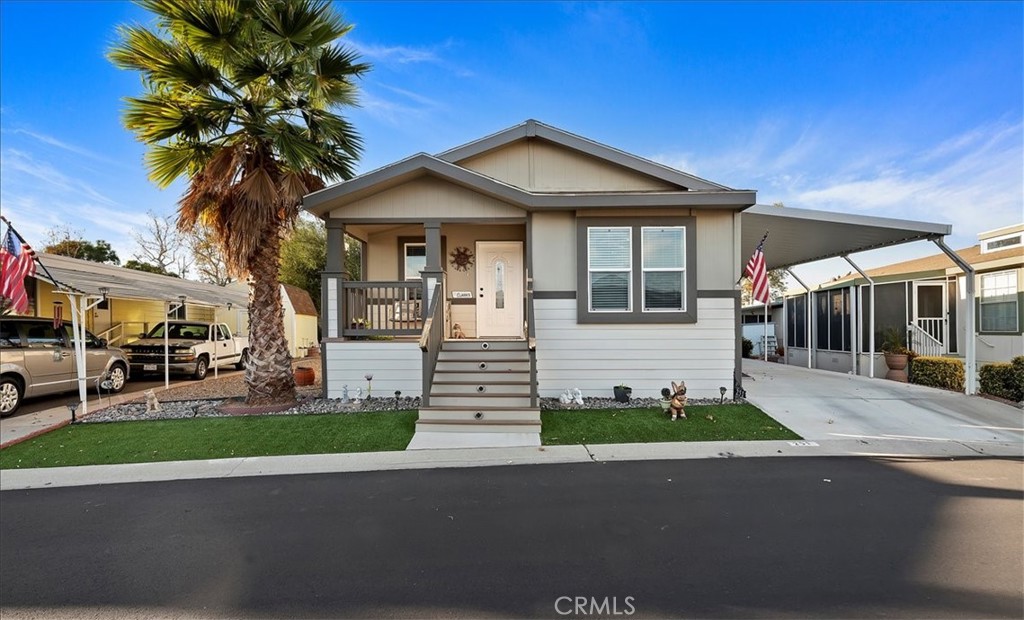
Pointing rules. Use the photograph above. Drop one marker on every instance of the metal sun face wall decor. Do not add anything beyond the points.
(462, 258)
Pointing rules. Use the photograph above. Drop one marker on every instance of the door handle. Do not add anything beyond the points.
(65, 354)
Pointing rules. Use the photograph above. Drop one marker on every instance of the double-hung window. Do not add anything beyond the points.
(999, 302)
(636, 270)
(610, 268)
(664, 267)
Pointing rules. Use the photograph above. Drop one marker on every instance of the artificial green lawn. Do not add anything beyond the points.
(212, 438)
(703, 423)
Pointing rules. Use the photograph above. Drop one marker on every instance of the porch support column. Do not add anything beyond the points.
(808, 324)
(332, 316)
(971, 335)
(434, 270)
(871, 317)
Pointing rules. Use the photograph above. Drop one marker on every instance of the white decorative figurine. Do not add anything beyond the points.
(577, 396)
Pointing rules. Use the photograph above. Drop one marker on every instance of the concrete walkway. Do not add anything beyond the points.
(837, 414)
(18, 428)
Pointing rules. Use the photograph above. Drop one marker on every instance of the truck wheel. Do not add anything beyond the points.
(243, 361)
(10, 396)
(201, 369)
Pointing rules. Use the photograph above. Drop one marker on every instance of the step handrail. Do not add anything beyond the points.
(431, 338)
(531, 339)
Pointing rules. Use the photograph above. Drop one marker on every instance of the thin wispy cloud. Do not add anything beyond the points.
(14, 162)
(404, 56)
(980, 170)
(60, 144)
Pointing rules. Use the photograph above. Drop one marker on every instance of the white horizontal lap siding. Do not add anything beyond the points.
(394, 366)
(596, 357)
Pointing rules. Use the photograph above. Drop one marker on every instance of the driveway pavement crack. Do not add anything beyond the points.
(589, 453)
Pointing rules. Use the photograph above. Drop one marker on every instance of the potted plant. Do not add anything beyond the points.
(622, 392)
(896, 354)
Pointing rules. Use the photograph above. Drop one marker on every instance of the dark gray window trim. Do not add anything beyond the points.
(554, 294)
(423, 239)
(583, 315)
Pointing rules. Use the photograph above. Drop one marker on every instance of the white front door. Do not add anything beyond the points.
(499, 289)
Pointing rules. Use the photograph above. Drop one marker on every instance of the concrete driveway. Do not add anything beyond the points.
(826, 405)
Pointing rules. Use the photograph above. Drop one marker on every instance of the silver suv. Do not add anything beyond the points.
(36, 359)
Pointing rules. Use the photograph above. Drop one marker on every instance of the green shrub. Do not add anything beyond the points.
(748, 347)
(940, 372)
(1004, 380)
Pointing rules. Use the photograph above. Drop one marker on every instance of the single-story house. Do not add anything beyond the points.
(534, 260)
(925, 299)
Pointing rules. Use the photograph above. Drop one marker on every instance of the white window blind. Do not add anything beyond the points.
(610, 266)
(999, 302)
(664, 268)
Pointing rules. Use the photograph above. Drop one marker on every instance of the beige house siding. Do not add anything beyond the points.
(541, 166)
(427, 198)
(595, 357)
(715, 238)
(554, 251)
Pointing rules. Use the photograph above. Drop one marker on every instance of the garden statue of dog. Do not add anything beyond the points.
(675, 406)
(457, 332)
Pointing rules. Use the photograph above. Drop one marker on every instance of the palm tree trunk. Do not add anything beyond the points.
(269, 374)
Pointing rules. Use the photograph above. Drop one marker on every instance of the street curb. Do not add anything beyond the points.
(258, 466)
(34, 434)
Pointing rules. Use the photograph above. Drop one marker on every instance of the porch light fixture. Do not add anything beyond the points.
(104, 291)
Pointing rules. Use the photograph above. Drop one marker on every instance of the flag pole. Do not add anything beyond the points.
(766, 325)
(744, 273)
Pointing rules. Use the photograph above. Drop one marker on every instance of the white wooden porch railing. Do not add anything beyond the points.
(923, 342)
(123, 333)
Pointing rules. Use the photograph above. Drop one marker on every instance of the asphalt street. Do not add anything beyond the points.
(782, 537)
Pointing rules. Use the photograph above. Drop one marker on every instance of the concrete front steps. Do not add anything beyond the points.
(480, 398)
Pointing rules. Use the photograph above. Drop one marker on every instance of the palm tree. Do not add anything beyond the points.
(239, 98)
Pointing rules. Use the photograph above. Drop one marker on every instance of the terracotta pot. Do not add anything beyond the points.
(304, 376)
(897, 363)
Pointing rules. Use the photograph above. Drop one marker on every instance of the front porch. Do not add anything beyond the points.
(443, 311)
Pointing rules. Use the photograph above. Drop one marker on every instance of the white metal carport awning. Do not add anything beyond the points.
(799, 236)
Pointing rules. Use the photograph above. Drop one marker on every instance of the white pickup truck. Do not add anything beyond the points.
(195, 346)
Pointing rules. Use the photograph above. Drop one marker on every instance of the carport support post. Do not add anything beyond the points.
(971, 338)
(871, 317)
(79, 306)
(808, 289)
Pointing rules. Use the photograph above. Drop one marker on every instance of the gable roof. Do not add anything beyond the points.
(122, 283)
(300, 299)
(535, 129)
(693, 192)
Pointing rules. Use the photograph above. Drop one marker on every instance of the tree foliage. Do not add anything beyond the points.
(241, 99)
(65, 241)
(149, 268)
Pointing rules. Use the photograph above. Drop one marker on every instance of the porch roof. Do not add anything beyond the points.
(798, 236)
(88, 277)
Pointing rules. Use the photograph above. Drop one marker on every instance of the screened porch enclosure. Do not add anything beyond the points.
(838, 325)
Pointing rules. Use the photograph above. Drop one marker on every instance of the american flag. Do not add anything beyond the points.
(758, 273)
(17, 262)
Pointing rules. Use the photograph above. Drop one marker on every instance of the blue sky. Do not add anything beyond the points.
(903, 110)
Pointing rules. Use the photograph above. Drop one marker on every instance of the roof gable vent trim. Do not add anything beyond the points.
(1004, 242)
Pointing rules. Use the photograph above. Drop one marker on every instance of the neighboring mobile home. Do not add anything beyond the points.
(924, 298)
